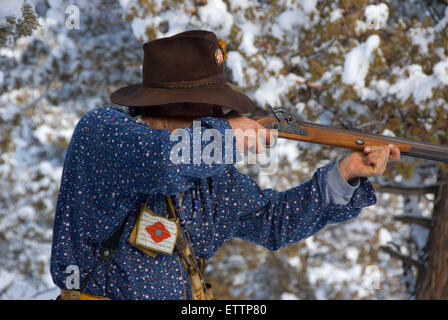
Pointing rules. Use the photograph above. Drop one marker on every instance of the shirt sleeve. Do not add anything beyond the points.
(276, 219)
(138, 158)
(338, 190)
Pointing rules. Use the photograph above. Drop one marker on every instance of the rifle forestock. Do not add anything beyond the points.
(353, 139)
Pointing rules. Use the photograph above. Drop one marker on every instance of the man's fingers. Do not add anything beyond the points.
(370, 149)
(377, 160)
(382, 151)
(393, 149)
(373, 161)
(394, 152)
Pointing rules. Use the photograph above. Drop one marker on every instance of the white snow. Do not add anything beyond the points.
(308, 6)
(56, 11)
(418, 84)
(384, 236)
(381, 86)
(288, 296)
(440, 71)
(336, 14)
(240, 4)
(377, 15)
(27, 213)
(215, 15)
(43, 133)
(294, 262)
(247, 43)
(274, 64)
(271, 91)
(332, 274)
(357, 61)
(387, 132)
(235, 63)
(422, 38)
(310, 244)
(352, 254)
(139, 27)
(124, 3)
(291, 19)
(10, 8)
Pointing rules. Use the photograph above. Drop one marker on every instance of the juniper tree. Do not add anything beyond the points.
(16, 27)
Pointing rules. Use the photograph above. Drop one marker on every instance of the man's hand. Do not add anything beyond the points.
(372, 162)
(249, 134)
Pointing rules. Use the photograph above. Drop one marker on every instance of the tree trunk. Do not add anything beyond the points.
(433, 282)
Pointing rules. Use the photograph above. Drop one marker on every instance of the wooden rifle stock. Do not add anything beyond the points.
(354, 139)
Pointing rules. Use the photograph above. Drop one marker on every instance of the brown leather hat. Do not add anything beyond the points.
(187, 67)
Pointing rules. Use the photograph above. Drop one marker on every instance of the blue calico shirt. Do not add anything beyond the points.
(114, 163)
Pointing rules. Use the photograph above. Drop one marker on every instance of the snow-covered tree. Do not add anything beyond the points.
(47, 82)
(13, 26)
(381, 66)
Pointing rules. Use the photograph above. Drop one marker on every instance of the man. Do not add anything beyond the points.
(117, 161)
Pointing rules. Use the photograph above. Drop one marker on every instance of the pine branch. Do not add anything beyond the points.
(28, 23)
(15, 28)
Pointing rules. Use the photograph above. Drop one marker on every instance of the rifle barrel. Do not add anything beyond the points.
(353, 139)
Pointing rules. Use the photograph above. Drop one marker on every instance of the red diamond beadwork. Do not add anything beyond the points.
(158, 232)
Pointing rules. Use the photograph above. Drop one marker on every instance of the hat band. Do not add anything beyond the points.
(220, 78)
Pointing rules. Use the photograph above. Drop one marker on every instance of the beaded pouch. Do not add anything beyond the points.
(154, 234)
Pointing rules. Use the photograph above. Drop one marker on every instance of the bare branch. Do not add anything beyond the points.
(6, 288)
(312, 85)
(195, 10)
(396, 189)
(406, 259)
(367, 124)
(421, 221)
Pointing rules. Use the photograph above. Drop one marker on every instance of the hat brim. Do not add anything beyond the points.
(223, 94)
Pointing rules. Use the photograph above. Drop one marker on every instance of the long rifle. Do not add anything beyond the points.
(293, 129)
